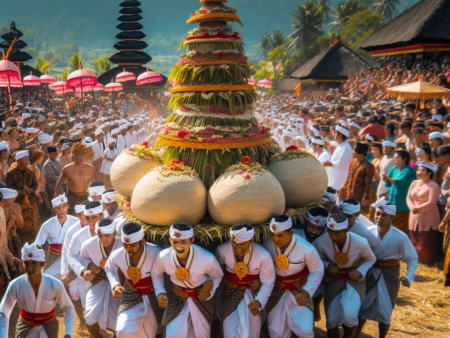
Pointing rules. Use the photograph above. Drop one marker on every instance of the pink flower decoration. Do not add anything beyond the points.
(240, 172)
(248, 175)
(182, 133)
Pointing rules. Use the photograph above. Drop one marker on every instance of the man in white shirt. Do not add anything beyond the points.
(37, 295)
(121, 141)
(321, 153)
(110, 205)
(96, 190)
(250, 277)
(99, 148)
(340, 161)
(128, 136)
(387, 162)
(195, 275)
(135, 131)
(299, 272)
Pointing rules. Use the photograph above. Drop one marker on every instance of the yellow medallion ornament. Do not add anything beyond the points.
(241, 270)
(103, 263)
(281, 262)
(182, 274)
(341, 258)
(134, 273)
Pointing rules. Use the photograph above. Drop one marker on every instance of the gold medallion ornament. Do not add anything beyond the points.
(134, 273)
(341, 258)
(241, 270)
(103, 263)
(281, 262)
(182, 274)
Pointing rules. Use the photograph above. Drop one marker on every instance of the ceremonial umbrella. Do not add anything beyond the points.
(149, 77)
(46, 78)
(99, 86)
(82, 78)
(251, 81)
(125, 76)
(9, 72)
(418, 90)
(31, 80)
(265, 84)
(113, 87)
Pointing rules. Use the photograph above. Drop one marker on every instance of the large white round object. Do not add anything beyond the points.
(235, 199)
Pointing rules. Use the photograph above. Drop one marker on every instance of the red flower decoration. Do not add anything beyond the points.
(145, 144)
(175, 162)
(185, 163)
(131, 149)
(292, 148)
(182, 133)
(245, 159)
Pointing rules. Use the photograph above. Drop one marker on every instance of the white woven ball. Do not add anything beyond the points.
(234, 199)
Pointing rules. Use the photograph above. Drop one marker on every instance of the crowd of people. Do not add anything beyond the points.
(67, 241)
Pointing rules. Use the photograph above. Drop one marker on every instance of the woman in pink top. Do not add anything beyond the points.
(424, 218)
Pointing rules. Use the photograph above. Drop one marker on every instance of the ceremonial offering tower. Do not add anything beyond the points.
(213, 124)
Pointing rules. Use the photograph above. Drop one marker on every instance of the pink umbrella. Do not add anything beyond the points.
(125, 76)
(83, 78)
(99, 86)
(46, 78)
(8, 72)
(58, 86)
(265, 84)
(149, 77)
(31, 80)
(15, 83)
(113, 87)
(251, 82)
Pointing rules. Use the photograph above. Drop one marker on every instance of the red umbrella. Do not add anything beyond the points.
(31, 80)
(8, 72)
(125, 76)
(149, 77)
(265, 84)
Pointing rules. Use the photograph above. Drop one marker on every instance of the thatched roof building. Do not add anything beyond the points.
(331, 65)
(286, 85)
(425, 27)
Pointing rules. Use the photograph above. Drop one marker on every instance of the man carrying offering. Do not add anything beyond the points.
(249, 282)
(195, 274)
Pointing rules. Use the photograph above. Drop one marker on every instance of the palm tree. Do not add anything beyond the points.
(325, 9)
(101, 65)
(307, 24)
(343, 12)
(386, 8)
(270, 42)
(75, 61)
(42, 65)
(65, 74)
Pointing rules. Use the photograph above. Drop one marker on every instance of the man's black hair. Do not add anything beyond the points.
(351, 201)
(105, 222)
(182, 226)
(318, 211)
(109, 190)
(443, 150)
(282, 219)
(241, 226)
(331, 190)
(404, 155)
(339, 218)
(131, 228)
(93, 204)
(97, 184)
(373, 119)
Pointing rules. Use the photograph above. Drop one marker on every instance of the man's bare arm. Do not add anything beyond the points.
(61, 180)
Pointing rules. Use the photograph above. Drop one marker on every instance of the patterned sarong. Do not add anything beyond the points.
(392, 278)
(51, 328)
(75, 199)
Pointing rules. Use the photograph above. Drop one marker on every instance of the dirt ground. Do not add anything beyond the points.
(421, 311)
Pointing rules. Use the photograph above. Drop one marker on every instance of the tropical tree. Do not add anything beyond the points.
(387, 8)
(274, 65)
(307, 22)
(65, 74)
(270, 42)
(101, 65)
(325, 9)
(359, 26)
(42, 65)
(344, 11)
(75, 61)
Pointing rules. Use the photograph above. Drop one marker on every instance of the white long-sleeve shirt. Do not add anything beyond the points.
(91, 250)
(98, 150)
(121, 144)
(202, 267)
(359, 248)
(341, 159)
(260, 264)
(77, 263)
(65, 249)
(303, 255)
(51, 292)
(373, 239)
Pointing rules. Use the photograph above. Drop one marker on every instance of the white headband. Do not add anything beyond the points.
(280, 226)
(318, 220)
(435, 134)
(370, 138)
(31, 253)
(389, 144)
(430, 166)
(134, 237)
(317, 141)
(8, 193)
(107, 230)
(59, 200)
(98, 190)
(93, 211)
(242, 235)
(343, 131)
(177, 234)
(109, 197)
(22, 153)
(315, 131)
(349, 209)
(388, 209)
(356, 125)
(333, 225)
(79, 209)
(4, 145)
(420, 151)
(330, 197)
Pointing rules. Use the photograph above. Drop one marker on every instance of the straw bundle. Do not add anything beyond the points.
(304, 180)
(127, 170)
(235, 199)
(163, 200)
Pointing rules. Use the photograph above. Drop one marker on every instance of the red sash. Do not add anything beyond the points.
(236, 283)
(343, 273)
(183, 292)
(293, 282)
(37, 319)
(55, 249)
(143, 287)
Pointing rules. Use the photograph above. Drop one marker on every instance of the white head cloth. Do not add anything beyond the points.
(315, 131)
(98, 132)
(389, 144)
(383, 204)
(343, 131)
(109, 197)
(93, 211)
(435, 134)
(44, 138)
(177, 234)
(330, 197)
(333, 225)
(242, 235)
(370, 138)
(9, 193)
(356, 125)
(431, 166)
(317, 141)
(59, 200)
(107, 230)
(318, 220)
(31, 253)
(280, 226)
(4, 145)
(21, 154)
(79, 208)
(66, 146)
(349, 209)
(111, 140)
(420, 151)
(98, 190)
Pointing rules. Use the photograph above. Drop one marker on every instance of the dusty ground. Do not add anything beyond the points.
(422, 311)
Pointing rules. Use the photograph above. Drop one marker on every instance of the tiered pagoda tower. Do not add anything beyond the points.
(17, 55)
(130, 46)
